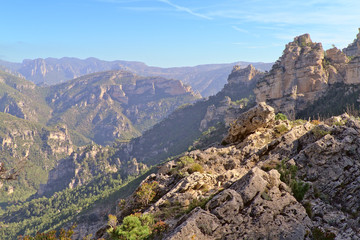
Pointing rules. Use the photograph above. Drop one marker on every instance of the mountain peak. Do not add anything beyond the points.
(243, 75)
(353, 49)
(303, 39)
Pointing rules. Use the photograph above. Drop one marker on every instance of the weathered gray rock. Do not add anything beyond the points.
(226, 205)
(199, 225)
(256, 204)
(257, 117)
(354, 48)
(276, 215)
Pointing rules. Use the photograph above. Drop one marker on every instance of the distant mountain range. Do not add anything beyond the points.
(207, 79)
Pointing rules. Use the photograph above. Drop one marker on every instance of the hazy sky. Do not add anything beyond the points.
(171, 32)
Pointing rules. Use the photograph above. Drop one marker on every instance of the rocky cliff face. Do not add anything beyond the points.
(84, 165)
(304, 73)
(277, 179)
(33, 147)
(297, 78)
(354, 48)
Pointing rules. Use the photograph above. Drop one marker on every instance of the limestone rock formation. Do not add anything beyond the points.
(245, 78)
(354, 48)
(297, 78)
(243, 75)
(353, 71)
(244, 190)
(242, 212)
(259, 116)
(305, 72)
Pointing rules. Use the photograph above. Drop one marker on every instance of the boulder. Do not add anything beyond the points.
(260, 116)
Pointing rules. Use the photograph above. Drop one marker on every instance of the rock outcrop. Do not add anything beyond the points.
(260, 116)
(243, 75)
(242, 212)
(227, 111)
(354, 48)
(244, 190)
(305, 72)
(296, 79)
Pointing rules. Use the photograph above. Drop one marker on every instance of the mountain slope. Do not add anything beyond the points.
(34, 149)
(115, 105)
(23, 99)
(102, 106)
(166, 138)
(82, 177)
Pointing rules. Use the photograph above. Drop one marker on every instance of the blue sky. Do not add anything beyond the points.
(171, 32)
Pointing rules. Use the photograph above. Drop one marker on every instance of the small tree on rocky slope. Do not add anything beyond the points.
(146, 193)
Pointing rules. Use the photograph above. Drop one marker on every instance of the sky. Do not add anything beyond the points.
(169, 33)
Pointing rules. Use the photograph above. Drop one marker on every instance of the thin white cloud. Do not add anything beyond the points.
(240, 29)
(185, 9)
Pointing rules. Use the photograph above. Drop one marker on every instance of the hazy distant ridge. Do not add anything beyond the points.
(207, 79)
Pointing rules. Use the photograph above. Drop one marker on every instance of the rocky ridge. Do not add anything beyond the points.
(243, 190)
(305, 72)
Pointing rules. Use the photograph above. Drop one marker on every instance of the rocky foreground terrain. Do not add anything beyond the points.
(271, 178)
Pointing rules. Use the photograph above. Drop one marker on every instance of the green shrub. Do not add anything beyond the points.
(280, 116)
(134, 227)
(281, 129)
(288, 176)
(195, 167)
(298, 122)
(146, 193)
(319, 234)
(198, 203)
(308, 209)
(184, 161)
(299, 189)
(319, 133)
(287, 172)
